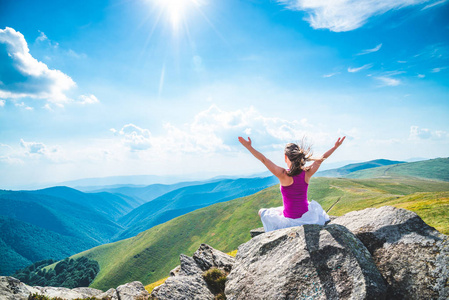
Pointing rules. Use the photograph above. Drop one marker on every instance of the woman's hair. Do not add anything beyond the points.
(298, 155)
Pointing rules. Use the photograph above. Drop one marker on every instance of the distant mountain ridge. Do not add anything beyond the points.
(437, 169)
(345, 170)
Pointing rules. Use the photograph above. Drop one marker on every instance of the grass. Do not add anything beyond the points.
(150, 256)
(151, 286)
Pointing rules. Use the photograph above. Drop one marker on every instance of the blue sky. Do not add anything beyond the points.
(104, 88)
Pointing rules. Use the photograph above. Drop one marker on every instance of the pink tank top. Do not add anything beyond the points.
(294, 197)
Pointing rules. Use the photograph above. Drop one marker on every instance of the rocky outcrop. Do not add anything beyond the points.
(383, 253)
(307, 262)
(412, 256)
(12, 289)
(186, 281)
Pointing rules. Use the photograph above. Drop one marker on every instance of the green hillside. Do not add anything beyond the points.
(345, 170)
(150, 255)
(432, 169)
(187, 199)
(22, 243)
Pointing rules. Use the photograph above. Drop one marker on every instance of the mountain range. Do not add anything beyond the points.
(60, 221)
(73, 221)
(151, 254)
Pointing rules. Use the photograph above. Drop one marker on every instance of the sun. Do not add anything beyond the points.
(176, 10)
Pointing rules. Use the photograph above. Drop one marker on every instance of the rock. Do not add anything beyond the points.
(412, 256)
(109, 294)
(183, 288)
(186, 281)
(310, 261)
(13, 289)
(175, 271)
(132, 291)
(256, 232)
(67, 293)
(207, 257)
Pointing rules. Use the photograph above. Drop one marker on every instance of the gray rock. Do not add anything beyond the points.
(306, 262)
(186, 281)
(188, 266)
(256, 232)
(207, 257)
(109, 294)
(183, 288)
(412, 256)
(12, 289)
(132, 291)
(175, 271)
(67, 293)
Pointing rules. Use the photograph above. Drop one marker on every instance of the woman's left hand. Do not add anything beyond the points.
(245, 143)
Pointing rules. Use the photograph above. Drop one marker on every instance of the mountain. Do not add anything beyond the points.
(345, 170)
(80, 220)
(431, 169)
(187, 199)
(112, 206)
(146, 193)
(57, 214)
(21, 244)
(151, 254)
(39, 225)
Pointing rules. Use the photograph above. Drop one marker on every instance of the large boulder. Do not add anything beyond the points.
(131, 291)
(66, 293)
(186, 281)
(306, 262)
(13, 289)
(412, 256)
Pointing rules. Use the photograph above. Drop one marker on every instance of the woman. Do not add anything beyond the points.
(294, 181)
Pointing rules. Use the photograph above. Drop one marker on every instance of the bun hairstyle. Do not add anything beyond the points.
(298, 155)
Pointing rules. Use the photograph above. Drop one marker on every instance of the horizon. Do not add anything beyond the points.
(92, 183)
(152, 87)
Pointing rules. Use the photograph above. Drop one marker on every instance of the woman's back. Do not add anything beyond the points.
(294, 197)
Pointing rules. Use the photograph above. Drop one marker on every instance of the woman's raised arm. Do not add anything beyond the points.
(317, 161)
(277, 171)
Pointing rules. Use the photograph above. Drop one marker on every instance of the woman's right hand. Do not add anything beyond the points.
(245, 143)
(339, 142)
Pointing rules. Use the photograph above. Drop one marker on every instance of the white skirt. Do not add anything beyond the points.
(273, 218)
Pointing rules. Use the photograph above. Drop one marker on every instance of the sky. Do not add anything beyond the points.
(164, 87)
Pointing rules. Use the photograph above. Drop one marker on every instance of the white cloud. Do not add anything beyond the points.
(25, 76)
(2, 103)
(23, 105)
(388, 81)
(345, 15)
(437, 70)
(421, 75)
(134, 137)
(353, 70)
(88, 99)
(417, 133)
(367, 51)
(215, 130)
(433, 4)
(330, 75)
(33, 147)
(42, 37)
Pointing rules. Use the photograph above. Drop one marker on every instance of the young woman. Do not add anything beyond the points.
(294, 181)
